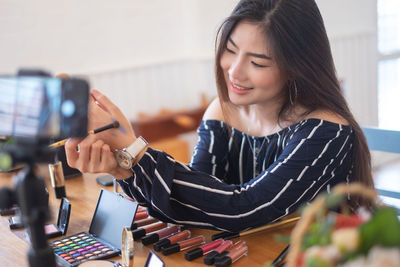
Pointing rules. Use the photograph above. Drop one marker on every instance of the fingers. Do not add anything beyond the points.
(103, 101)
(71, 152)
(107, 160)
(94, 156)
(84, 153)
(94, 102)
(62, 75)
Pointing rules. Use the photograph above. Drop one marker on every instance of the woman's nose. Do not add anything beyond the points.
(237, 71)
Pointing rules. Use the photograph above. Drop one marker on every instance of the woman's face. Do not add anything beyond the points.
(251, 74)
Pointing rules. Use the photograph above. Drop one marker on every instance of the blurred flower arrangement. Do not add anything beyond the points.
(324, 238)
(362, 239)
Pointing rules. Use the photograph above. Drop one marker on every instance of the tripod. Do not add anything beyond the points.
(30, 193)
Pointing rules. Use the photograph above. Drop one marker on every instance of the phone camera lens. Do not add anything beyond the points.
(68, 108)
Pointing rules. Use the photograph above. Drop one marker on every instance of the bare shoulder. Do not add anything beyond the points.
(214, 111)
(327, 115)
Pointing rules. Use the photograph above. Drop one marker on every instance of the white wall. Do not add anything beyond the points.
(351, 27)
(101, 35)
(348, 17)
(154, 54)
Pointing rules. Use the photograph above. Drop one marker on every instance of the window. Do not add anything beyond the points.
(389, 63)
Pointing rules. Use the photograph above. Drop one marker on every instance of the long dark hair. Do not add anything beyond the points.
(296, 35)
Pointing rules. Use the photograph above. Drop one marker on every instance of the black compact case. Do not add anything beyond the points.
(61, 228)
(113, 213)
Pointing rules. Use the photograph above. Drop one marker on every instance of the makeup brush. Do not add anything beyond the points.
(281, 256)
(112, 125)
(229, 235)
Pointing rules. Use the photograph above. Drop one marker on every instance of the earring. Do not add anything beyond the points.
(295, 93)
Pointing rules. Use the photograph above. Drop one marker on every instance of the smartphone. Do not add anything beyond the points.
(106, 180)
(153, 260)
(43, 108)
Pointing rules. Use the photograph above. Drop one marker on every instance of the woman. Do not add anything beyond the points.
(279, 133)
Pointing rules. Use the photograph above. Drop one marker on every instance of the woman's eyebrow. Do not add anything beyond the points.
(263, 56)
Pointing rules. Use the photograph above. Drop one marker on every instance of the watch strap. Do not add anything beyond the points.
(136, 147)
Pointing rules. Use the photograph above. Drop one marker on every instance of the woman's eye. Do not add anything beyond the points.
(229, 50)
(258, 65)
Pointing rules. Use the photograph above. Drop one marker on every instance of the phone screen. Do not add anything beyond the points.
(38, 107)
(153, 260)
(29, 106)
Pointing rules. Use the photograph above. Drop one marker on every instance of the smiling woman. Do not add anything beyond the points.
(252, 75)
(279, 133)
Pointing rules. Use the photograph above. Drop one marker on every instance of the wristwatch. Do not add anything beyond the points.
(127, 247)
(126, 156)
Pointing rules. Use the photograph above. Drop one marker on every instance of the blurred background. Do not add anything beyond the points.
(155, 55)
(155, 60)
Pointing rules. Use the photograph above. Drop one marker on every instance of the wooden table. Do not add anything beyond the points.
(83, 192)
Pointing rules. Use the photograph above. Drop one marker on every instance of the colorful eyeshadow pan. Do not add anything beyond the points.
(81, 247)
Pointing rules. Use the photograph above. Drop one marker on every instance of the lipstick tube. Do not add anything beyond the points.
(185, 244)
(57, 179)
(154, 237)
(237, 245)
(202, 250)
(143, 222)
(232, 256)
(140, 232)
(167, 241)
(210, 257)
(141, 208)
(141, 215)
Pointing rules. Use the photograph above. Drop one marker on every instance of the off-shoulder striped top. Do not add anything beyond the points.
(236, 181)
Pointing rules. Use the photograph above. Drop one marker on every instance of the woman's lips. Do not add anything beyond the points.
(238, 89)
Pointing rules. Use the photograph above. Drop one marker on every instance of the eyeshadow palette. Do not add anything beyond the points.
(81, 247)
(113, 212)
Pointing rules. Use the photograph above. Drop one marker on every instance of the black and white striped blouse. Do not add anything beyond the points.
(236, 181)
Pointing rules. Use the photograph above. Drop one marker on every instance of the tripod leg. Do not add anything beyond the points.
(34, 207)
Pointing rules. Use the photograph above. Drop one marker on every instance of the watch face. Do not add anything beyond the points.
(124, 159)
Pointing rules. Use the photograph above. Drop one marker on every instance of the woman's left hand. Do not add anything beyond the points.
(102, 112)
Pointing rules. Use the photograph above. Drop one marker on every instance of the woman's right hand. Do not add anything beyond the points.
(93, 156)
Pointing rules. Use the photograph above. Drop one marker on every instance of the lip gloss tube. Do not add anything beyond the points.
(232, 256)
(237, 245)
(185, 244)
(154, 237)
(202, 250)
(167, 241)
(143, 222)
(140, 232)
(57, 179)
(141, 208)
(210, 257)
(141, 215)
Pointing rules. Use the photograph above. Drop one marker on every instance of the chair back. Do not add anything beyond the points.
(382, 139)
(385, 141)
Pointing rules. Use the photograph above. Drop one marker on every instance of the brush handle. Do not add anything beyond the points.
(114, 124)
(58, 144)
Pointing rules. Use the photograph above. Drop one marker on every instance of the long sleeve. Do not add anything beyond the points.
(314, 156)
(213, 147)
